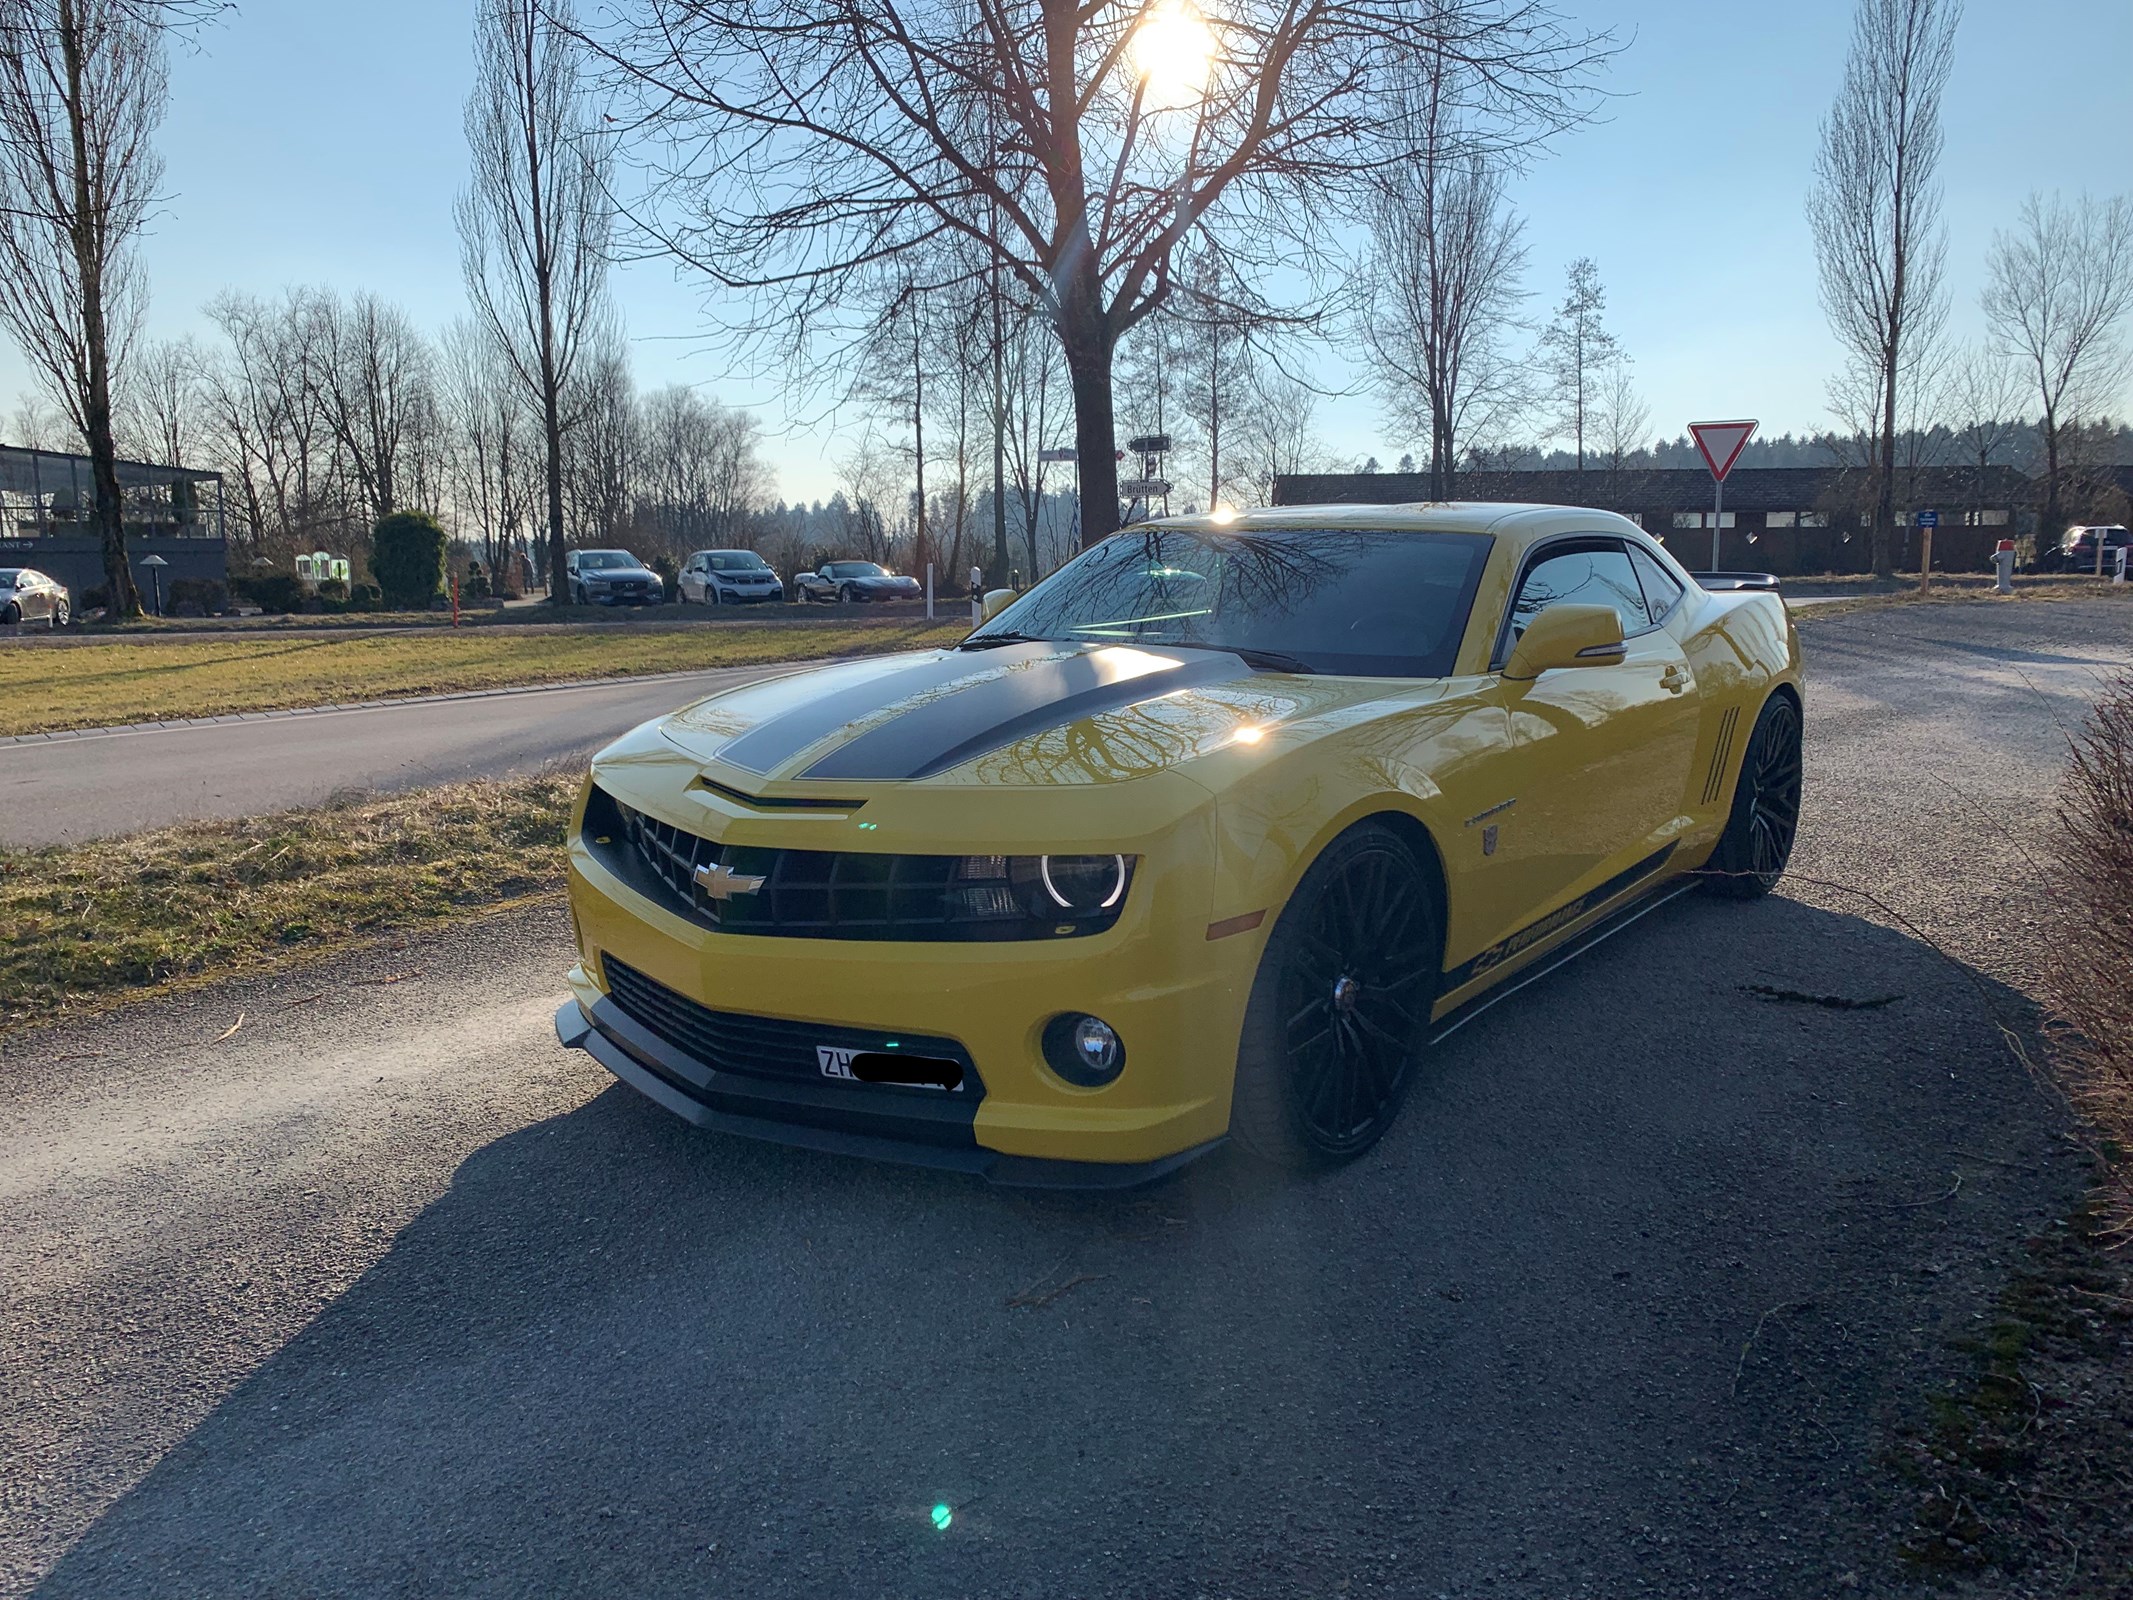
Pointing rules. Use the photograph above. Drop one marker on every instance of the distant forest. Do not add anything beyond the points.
(2019, 445)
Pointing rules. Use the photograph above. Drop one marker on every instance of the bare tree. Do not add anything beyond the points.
(536, 220)
(491, 442)
(83, 86)
(2057, 289)
(159, 403)
(1875, 212)
(1576, 349)
(793, 140)
(1622, 421)
(1443, 292)
(1277, 437)
(375, 378)
(1986, 392)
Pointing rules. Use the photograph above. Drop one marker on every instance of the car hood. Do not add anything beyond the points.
(605, 574)
(1019, 715)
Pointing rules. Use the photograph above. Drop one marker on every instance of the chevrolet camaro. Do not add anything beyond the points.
(1214, 833)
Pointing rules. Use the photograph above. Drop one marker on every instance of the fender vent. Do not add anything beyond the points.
(1714, 782)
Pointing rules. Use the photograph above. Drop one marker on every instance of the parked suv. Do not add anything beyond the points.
(728, 577)
(612, 578)
(28, 596)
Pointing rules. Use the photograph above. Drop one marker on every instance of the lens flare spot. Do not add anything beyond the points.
(942, 1516)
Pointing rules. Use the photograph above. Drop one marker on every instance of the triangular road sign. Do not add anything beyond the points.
(1721, 444)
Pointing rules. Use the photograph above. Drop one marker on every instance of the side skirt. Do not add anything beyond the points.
(1569, 950)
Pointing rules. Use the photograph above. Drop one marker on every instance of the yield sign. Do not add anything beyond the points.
(1721, 444)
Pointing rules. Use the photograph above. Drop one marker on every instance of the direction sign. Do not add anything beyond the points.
(1721, 444)
(1144, 488)
(1929, 519)
(1149, 444)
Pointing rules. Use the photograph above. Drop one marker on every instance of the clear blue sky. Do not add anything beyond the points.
(318, 141)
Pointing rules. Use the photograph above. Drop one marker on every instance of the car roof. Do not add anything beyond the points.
(1431, 516)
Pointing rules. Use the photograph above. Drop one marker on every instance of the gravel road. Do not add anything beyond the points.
(383, 1294)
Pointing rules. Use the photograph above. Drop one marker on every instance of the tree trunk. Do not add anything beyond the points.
(2048, 529)
(122, 598)
(1882, 540)
(1087, 344)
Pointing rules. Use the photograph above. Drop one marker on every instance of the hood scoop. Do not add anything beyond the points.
(775, 803)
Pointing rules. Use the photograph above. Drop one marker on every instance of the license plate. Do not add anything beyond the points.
(836, 1063)
(884, 1066)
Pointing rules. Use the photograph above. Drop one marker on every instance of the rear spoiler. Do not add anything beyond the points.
(1722, 582)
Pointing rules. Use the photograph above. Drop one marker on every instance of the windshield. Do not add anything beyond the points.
(737, 561)
(604, 560)
(1375, 604)
(856, 569)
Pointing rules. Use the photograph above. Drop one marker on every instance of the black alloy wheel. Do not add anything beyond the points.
(59, 614)
(849, 595)
(1753, 852)
(1339, 1013)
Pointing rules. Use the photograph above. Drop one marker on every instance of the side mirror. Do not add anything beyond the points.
(996, 601)
(1568, 636)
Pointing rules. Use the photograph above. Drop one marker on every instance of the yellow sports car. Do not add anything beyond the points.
(1214, 832)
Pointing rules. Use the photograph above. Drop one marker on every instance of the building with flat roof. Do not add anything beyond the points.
(47, 507)
(1788, 520)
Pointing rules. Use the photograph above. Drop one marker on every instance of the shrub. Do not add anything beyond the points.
(669, 575)
(366, 597)
(2087, 981)
(407, 559)
(278, 594)
(196, 597)
(475, 585)
(334, 591)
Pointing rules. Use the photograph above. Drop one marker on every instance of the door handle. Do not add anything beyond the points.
(1674, 679)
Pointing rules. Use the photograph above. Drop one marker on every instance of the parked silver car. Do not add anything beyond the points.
(728, 577)
(855, 580)
(27, 595)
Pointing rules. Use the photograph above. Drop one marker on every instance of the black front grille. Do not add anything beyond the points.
(766, 1047)
(817, 894)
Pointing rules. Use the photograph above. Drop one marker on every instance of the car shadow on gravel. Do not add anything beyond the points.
(1628, 1301)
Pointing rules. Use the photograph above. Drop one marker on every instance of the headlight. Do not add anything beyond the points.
(1082, 883)
(1072, 892)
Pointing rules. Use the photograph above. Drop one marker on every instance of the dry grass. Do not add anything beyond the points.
(2090, 984)
(84, 926)
(1967, 591)
(139, 680)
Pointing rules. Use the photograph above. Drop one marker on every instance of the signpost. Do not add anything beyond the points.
(1927, 522)
(1721, 444)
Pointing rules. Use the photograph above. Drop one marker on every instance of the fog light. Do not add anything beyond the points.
(1084, 1050)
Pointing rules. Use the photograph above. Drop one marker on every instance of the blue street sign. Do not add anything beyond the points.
(1929, 519)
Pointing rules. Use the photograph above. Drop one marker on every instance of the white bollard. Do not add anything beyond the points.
(2003, 560)
(2118, 569)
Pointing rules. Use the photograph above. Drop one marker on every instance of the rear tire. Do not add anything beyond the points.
(10, 616)
(1753, 851)
(59, 616)
(1339, 1013)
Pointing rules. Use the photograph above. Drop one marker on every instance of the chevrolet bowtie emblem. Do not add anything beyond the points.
(721, 882)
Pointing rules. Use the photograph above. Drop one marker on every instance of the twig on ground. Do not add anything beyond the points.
(305, 1001)
(390, 977)
(1741, 1366)
(1930, 1200)
(1995, 1161)
(1829, 1002)
(1036, 1296)
(230, 1031)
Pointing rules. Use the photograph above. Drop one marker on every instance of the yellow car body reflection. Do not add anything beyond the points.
(1545, 808)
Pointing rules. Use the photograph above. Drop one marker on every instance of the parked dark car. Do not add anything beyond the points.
(852, 581)
(2077, 549)
(728, 577)
(612, 578)
(29, 596)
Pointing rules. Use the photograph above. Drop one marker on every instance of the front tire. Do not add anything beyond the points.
(1338, 1014)
(1753, 851)
(59, 616)
(849, 595)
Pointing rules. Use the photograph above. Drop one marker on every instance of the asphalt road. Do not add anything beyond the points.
(101, 783)
(383, 1294)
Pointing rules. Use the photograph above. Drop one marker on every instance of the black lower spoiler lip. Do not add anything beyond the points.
(658, 1072)
(1727, 582)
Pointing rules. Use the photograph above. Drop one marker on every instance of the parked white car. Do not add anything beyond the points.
(727, 578)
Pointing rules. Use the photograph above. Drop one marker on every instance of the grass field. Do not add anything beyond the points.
(85, 926)
(137, 680)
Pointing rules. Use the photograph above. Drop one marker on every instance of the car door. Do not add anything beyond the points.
(37, 598)
(1598, 766)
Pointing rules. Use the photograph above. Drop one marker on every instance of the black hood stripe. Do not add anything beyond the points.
(997, 709)
(763, 750)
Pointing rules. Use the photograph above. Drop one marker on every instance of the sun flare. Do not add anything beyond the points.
(1173, 50)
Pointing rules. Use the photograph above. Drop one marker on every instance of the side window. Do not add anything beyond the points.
(1586, 575)
(1661, 587)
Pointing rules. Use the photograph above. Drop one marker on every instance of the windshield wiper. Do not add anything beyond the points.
(1270, 660)
(992, 641)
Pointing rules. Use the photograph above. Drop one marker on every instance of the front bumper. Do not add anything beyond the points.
(1176, 998)
(788, 1114)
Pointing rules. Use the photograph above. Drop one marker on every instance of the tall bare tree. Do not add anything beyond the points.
(1875, 212)
(796, 139)
(83, 86)
(375, 377)
(2057, 290)
(1576, 350)
(536, 220)
(1622, 419)
(1985, 395)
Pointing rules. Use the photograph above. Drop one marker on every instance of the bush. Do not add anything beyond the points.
(670, 576)
(366, 597)
(2087, 979)
(407, 559)
(278, 594)
(475, 585)
(334, 591)
(196, 597)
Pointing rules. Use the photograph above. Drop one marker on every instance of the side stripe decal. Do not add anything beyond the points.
(1534, 933)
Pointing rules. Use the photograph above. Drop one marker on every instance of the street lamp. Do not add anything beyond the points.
(155, 566)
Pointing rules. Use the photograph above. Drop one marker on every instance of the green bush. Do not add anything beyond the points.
(366, 597)
(669, 576)
(334, 591)
(407, 559)
(278, 594)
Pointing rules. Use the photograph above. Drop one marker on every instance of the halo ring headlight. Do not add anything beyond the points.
(1083, 883)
